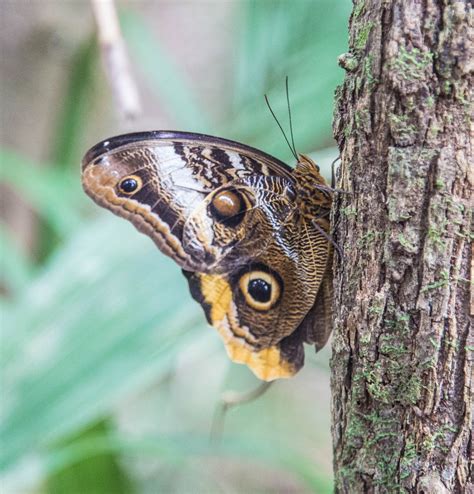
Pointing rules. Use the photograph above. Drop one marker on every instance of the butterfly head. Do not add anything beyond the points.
(314, 198)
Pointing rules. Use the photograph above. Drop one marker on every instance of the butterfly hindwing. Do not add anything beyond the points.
(267, 335)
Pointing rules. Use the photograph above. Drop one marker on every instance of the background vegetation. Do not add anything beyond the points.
(110, 376)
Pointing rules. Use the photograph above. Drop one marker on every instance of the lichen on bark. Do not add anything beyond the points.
(402, 346)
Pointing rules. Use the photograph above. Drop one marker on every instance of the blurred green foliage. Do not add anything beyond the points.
(99, 336)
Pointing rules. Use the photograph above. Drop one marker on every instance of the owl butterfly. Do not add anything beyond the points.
(249, 232)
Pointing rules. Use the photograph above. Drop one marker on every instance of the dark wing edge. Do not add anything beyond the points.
(123, 140)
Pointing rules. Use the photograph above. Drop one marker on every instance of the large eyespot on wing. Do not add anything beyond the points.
(261, 289)
(130, 184)
(228, 206)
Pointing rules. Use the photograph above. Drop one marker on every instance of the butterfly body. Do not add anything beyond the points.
(247, 230)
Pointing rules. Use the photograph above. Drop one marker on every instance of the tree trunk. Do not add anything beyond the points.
(402, 347)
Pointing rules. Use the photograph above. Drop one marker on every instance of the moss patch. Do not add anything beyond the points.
(402, 129)
(368, 70)
(442, 282)
(412, 64)
(349, 211)
(363, 35)
(358, 9)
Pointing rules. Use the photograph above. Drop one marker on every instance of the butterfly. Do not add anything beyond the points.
(250, 233)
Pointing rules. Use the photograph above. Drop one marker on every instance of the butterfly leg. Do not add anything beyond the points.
(230, 399)
(329, 239)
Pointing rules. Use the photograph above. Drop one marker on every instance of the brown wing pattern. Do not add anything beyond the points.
(241, 225)
(176, 171)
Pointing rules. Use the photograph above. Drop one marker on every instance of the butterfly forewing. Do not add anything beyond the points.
(177, 172)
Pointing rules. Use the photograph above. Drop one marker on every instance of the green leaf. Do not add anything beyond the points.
(54, 194)
(179, 450)
(94, 474)
(77, 105)
(16, 268)
(106, 315)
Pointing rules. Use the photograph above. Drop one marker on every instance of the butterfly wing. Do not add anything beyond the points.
(173, 173)
(226, 214)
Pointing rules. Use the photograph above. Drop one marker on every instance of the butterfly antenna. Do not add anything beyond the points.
(281, 128)
(289, 115)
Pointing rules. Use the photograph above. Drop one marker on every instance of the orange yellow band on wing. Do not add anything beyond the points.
(268, 363)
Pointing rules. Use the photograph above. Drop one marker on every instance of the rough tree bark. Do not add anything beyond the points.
(402, 347)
